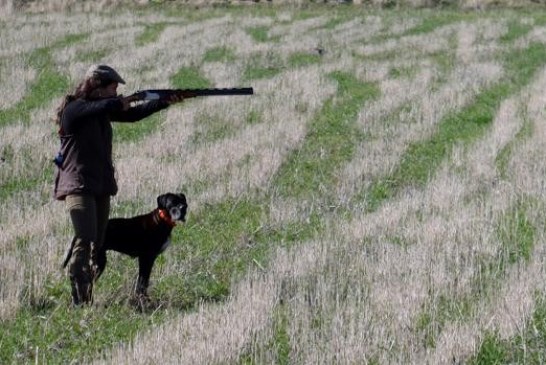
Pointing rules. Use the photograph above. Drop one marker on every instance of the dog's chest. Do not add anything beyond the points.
(165, 245)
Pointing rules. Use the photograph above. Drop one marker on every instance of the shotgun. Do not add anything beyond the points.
(163, 94)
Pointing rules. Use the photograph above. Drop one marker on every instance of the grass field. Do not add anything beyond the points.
(378, 202)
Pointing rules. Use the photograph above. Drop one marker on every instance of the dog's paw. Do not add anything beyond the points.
(143, 303)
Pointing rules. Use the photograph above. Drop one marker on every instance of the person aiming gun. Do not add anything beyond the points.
(85, 177)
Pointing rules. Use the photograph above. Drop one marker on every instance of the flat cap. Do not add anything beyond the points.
(105, 73)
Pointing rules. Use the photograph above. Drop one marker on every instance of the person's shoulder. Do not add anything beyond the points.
(76, 103)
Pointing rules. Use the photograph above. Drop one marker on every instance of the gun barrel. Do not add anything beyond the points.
(160, 94)
(217, 91)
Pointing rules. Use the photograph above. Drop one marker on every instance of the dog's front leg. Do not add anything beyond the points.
(145, 265)
(99, 262)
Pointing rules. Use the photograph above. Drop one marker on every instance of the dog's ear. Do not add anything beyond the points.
(183, 197)
(162, 201)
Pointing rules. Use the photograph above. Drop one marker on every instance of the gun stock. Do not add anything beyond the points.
(164, 94)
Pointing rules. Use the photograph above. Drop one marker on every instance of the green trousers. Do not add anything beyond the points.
(89, 216)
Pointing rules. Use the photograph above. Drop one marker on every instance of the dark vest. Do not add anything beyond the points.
(85, 165)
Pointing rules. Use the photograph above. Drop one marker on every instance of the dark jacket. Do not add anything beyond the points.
(84, 164)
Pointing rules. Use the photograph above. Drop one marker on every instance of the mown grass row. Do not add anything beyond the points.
(330, 142)
(528, 347)
(223, 241)
(51, 84)
(222, 224)
(48, 85)
(463, 126)
(516, 235)
(515, 232)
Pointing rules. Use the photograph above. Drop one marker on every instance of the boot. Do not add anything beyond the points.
(81, 278)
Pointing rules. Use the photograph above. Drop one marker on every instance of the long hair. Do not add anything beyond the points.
(82, 91)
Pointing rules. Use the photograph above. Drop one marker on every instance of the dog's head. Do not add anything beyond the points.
(175, 204)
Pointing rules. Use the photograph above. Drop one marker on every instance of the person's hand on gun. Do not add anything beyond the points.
(170, 99)
(127, 100)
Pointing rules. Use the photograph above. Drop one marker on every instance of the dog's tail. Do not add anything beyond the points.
(69, 253)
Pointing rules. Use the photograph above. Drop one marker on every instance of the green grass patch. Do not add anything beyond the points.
(93, 56)
(402, 72)
(464, 126)
(44, 335)
(17, 184)
(445, 62)
(69, 40)
(261, 34)
(263, 66)
(330, 141)
(254, 117)
(219, 54)
(333, 22)
(134, 132)
(528, 346)
(303, 59)
(437, 313)
(48, 85)
(212, 127)
(261, 72)
(432, 20)
(281, 338)
(189, 78)
(150, 34)
(516, 29)
(215, 246)
(516, 235)
(491, 351)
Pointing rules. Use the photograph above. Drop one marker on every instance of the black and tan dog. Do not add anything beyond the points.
(144, 237)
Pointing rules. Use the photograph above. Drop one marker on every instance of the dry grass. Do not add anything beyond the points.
(358, 292)
(408, 110)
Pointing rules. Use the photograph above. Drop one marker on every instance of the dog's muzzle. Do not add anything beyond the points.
(176, 213)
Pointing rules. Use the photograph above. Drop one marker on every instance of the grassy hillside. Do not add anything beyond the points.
(380, 199)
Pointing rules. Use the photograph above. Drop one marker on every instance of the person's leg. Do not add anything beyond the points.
(103, 212)
(83, 213)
